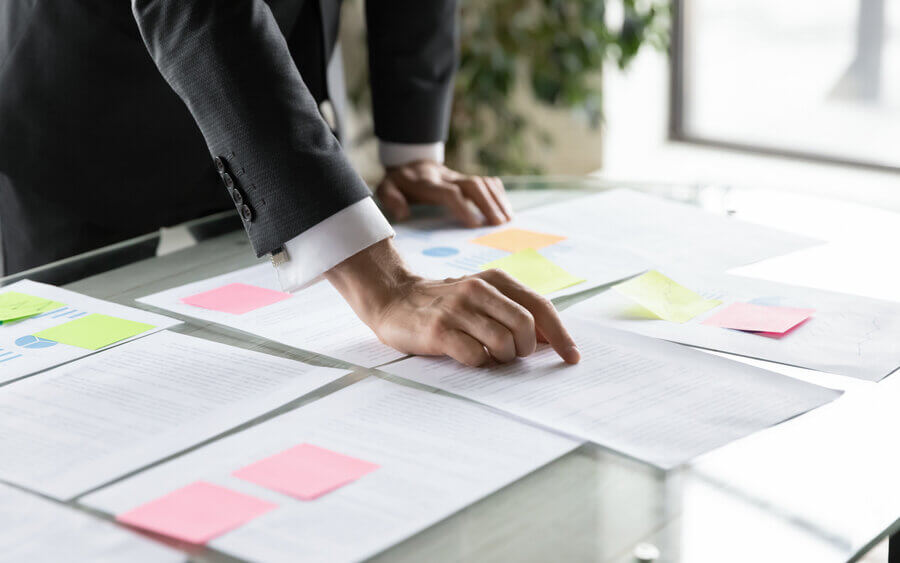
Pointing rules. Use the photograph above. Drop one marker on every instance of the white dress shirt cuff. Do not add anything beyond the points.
(396, 154)
(327, 244)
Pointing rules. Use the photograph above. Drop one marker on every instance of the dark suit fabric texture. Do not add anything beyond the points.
(117, 117)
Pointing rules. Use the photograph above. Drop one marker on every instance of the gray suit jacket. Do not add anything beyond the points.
(100, 142)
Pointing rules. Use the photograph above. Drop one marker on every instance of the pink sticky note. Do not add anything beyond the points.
(306, 471)
(196, 513)
(759, 318)
(780, 335)
(237, 298)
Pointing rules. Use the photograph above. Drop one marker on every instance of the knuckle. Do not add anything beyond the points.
(524, 319)
(545, 304)
(474, 285)
(493, 274)
(503, 275)
(451, 190)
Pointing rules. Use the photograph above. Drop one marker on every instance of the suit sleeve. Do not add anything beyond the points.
(412, 62)
(229, 62)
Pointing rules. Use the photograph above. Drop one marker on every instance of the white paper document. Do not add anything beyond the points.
(435, 454)
(664, 231)
(38, 530)
(443, 251)
(778, 477)
(78, 426)
(652, 400)
(846, 335)
(22, 354)
(316, 318)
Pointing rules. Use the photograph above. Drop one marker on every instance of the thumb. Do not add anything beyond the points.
(392, 199)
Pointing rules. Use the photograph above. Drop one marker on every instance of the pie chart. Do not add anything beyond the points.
(34, 342)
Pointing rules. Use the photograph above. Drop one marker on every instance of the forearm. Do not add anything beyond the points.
(230, 64)
(369, 280)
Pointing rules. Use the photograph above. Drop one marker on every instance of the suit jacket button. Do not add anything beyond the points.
(246, 213)
(237, 197)
(220, 164)
(229, 183)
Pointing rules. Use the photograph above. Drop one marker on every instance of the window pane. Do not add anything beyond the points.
(798, 75)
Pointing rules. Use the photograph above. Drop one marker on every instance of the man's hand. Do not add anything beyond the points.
(425, 181)
(471, 319)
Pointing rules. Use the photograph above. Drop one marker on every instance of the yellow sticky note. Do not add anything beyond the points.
(94, 331)
(534, 271)
(514, 240)
(665, 298)
(15, 305)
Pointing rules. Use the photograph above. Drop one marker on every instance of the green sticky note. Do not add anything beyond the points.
(535, 271)
(94, 331)
(665, 298)
(15, 305)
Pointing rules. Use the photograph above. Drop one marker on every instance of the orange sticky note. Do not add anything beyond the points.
(236, 298)
(196, 513)
(306, 471)
(514, 240)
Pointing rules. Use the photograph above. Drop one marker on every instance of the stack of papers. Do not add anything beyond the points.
(315, 319)
(52, 326)
(831, 332)
(649, 399)
(434, 456)
(34, 529)
(78, 426)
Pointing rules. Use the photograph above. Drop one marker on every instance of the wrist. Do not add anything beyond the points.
(371, 280)
(413, 164)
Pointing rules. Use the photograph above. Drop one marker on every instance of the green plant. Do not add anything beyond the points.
(558, 47)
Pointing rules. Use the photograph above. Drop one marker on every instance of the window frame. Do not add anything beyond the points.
(678, 132)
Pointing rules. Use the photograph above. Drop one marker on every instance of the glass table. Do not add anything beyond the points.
(823, 490)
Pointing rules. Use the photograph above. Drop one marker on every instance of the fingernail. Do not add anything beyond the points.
(573, 355)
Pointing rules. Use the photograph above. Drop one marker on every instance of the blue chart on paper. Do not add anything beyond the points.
(7, 356)
(67, 312)
(440, 251)
(34, 342)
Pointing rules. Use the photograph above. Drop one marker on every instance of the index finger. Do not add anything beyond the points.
(546, 319)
